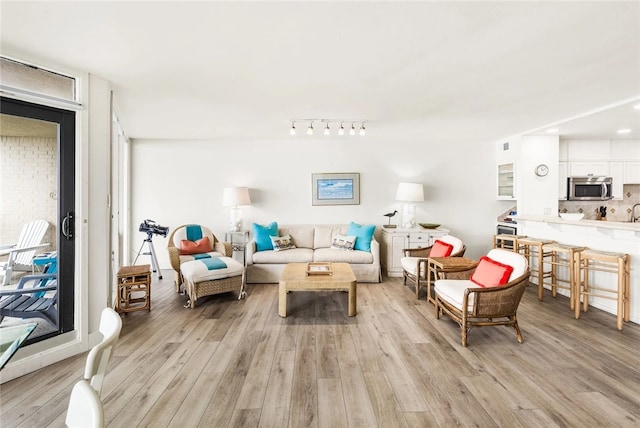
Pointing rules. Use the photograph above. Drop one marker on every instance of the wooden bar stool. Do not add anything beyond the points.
(602, 261)
(560, 255)
(507, 242)
(530, 247)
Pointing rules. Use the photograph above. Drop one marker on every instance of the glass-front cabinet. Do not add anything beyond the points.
(506, 181)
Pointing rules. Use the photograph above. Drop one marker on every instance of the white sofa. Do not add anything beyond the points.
(313, 244)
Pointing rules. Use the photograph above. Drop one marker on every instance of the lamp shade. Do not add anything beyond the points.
(410, 192)
(234, 196)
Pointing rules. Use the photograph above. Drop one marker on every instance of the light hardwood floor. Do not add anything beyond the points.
(238, 364)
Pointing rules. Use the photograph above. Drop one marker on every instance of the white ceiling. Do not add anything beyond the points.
(427, 71)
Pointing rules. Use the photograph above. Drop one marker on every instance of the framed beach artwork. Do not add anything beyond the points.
(336, 188)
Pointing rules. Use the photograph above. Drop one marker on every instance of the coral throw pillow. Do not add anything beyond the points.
(195, 247)
(490, 273)
(440, 249)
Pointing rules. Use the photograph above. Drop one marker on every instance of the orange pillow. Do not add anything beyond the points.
(195, 247)
(490, 273)
(440, 249)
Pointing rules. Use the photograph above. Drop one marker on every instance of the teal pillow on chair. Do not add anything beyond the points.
(363, 235)
(262, 235)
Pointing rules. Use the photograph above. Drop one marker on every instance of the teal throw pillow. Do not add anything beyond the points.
(363, 235)
(262, 235)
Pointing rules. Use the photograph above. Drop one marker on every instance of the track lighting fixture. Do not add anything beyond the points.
(326, 125)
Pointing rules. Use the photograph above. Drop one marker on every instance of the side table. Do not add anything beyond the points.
(445, 264)
(238, 241)
(134, 289)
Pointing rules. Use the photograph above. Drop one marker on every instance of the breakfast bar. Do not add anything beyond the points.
(618, 237)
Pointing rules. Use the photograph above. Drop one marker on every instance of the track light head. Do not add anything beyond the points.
(352, 131)
(341, 130)
(327, 131)
(292, 131)
(310, 129)
(362, 131)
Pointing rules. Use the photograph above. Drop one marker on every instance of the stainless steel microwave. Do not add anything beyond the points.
(589, 188)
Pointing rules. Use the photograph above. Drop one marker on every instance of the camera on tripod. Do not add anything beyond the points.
(150, 227)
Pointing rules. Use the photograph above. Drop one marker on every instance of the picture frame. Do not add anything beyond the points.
(336, 188)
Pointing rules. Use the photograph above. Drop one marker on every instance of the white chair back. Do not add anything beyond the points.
(98, 358)
(191, 231)
(452, 240)
(85, 408)
(517, 261)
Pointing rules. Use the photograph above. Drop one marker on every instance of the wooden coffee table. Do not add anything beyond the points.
(294, 277)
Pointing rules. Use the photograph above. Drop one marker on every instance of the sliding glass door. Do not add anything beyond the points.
(37, 182)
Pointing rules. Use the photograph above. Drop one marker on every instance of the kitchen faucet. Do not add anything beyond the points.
(633, 213)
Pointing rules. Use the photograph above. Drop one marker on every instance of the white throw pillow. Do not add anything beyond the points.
(281, 243)
(342, 242)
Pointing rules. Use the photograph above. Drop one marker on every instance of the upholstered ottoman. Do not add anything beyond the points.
(214, 275)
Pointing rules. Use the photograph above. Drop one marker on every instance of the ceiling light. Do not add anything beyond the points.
(326, 125)
(292, 131)
(362, 132)
(352, 131)
(553, 130)
(310, 129)
(624, 131)
(636, 107)
(327, 131)
(341, 130)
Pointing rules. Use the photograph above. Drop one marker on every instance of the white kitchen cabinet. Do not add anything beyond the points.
(631, 173)
(394, 241)
(588, 150)
(625, 150)
(506, 181)
(616, 170)
(588, 168)
(563, 173)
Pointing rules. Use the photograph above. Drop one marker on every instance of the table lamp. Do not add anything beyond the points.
(232, 197)
(408, 193)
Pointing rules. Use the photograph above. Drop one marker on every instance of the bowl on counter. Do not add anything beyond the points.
(429, 225)
(572, 216)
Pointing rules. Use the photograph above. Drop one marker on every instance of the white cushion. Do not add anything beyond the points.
(281, 243)
(295, 255)
(410, 264)
(515, 260)
(337, 256)
(189, 257)
(195, 271)
(452, 290)
(343, 242)
(181, 234)
(452, 240)
(324, 234)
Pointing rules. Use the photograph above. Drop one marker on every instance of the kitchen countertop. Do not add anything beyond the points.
(587, 223)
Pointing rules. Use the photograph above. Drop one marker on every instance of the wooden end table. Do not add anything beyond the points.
(294, 277)
(445, 264)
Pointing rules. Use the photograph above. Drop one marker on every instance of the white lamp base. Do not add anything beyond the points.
(235, 220)
(408, 216)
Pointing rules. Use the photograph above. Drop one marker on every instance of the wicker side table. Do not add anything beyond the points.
(134, 289)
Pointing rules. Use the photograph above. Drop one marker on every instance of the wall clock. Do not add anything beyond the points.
(542, 170)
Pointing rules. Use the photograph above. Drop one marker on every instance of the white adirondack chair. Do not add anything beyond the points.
(21, 254)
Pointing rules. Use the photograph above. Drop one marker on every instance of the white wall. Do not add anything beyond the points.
(178, 182)
(538, 195)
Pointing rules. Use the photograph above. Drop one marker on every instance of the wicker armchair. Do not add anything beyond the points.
(414, 262)
(485, 306)
(192, 232)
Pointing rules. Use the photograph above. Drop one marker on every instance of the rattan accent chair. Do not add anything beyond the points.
(485, 306)
(218, 248)
(414, 262)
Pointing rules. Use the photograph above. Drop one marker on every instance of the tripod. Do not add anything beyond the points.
(151, 252)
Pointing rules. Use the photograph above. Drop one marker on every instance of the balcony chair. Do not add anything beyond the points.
(414, 263)
(21, 253)
(98, 358)
(486, 295)
(38, 300)
(193, 242)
